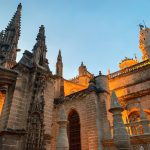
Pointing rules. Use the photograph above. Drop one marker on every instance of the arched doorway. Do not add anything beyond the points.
(74, 131)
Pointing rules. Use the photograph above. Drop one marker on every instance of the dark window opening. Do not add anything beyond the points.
(74, 131)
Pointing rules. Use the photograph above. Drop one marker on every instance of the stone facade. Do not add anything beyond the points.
(40, 110)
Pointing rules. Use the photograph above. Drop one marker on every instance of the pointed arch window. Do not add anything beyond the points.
(74, 131)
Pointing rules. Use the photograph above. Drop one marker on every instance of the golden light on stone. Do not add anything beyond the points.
(78, 83)
(127, 62)
(2, 97)
(104, 111)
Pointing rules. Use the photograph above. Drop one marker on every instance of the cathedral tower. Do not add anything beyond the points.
(144, 43)
(9, 40)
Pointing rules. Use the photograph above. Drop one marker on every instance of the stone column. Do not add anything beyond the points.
(62, 139)
(121, 138)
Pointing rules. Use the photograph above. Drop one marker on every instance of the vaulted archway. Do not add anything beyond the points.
(74, 131)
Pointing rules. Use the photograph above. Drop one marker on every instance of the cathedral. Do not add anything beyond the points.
(40, 110)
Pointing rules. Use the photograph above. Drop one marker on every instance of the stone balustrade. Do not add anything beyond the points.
(130, 69)
(137, 128)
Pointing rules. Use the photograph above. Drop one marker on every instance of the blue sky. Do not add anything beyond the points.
(98, 32)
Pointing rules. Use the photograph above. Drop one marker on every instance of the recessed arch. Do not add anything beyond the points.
(74, 130)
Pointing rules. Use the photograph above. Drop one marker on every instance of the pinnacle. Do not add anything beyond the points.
(42, 27)
(19, 6)
(40, 39)
(41, 33)
(13, 27)
(15, 21)
(59, 57)
(114, 101)
(59, 53)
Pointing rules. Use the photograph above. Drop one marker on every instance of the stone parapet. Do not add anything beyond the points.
(131, 69)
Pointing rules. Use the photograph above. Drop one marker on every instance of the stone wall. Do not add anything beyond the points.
(20, 103)
(91, 119)
(14, 113)
(48, 109)
(78, 105)
(133, 86)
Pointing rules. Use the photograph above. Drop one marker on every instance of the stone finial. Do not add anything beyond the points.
(59, 55)
(62, 139)
(100, 73)
(114, 102)
(19, 7)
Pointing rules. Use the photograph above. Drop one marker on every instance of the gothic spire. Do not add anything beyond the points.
(9, 40)
(59, 65)
(12, 31)
(40, 49)
(59, 55)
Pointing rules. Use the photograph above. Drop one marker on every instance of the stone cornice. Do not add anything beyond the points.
(77, 95)
(135, 95)
(128, 85)
(13, 132)
(7, 76)
(135, 68)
